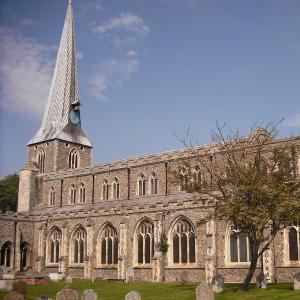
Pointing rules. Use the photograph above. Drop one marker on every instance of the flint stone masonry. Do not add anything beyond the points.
(133, 295)
(204, 292)
(14, 296)
(67, 294)
(89, 295)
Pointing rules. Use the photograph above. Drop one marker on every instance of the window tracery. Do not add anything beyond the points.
(105, 190)
(41, 160)
(6, 254)
(78, 243)
(294, 242)
(109, 246)
(145, 242)
(153, 181)
(54, 246)
(52, 196)
(73, 159)
(116, 189)
(82, 193)
(142, 185)
(73, 193)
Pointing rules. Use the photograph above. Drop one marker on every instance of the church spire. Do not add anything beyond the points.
(62, 114)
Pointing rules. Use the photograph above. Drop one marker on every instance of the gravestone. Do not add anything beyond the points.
(69, 279)
(89, 295)
(204, 292)
(67, 294)
(6, 284)
(133, 295)
(56, 276)
(218, 284)
(297, 281)
(183, 278)
(44, 298)
(129, 275)
(261, 281)
(14, 296)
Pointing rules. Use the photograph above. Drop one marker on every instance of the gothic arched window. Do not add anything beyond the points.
(78, 245)
(73, 159)
(105, 190)
(239, 247)
(73, 193)
(153, 181)
(183, 239)
(294, 243)
(142, 185)
(116, 189)
(24, 255)
(41, 161)
(145, 242)
(52, 196)
(82, 193)
(109, 246)
(197, 175)
(183, 180)
(6, 254)
(54, 246)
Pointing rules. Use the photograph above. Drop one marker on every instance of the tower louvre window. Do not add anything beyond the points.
(116, 189)
(73, 159)
(41, 161)
(52, 196)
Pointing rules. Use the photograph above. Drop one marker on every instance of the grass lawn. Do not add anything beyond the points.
(165, 291)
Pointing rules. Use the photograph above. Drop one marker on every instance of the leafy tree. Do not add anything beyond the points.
(252, 181)
(9, 193)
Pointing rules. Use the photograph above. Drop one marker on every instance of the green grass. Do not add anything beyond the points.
(165, 291)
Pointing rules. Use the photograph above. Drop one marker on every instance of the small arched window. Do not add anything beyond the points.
(197, 175)
(239, 247)
(153, 181)
(41, 161)
(183, 179)
(73, 159)
(73, 193)
(54, 246)
(52, 196)
(142, 185)
(183, 236)
(79, 245)
(294, 243)
(109, 246)
(82, 193)
(105, 190)
(116, 189)
(6, 254)
(145, 242)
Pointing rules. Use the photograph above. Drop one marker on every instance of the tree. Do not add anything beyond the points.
(252, 181)
(9, 193)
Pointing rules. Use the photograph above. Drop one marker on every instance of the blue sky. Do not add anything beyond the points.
(149, 68)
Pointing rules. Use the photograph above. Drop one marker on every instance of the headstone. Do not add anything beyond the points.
(89, 295)
(67, 294)
(204, 292)
(56, 276)
(297, 281)
(261, 281)
(218, 284)
(44, 298)
(6, 284)
(183, 278)
(69, 279)
(133, 295)
(14, 296)
(129, 275)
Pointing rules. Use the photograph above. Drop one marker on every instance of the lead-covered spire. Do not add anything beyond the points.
(62, 114)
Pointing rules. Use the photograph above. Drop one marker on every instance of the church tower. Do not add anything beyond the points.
(60, 143)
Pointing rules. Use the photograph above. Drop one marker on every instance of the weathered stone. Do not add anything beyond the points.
(14, 296)
(261, 281)
(218, 284)
(44, 298)
(8, 276)
(56, 276)
(129, 275)
(89, 295)
(6, 284)
(297, 281)
(67, 294)
(204, 292)
(133, 295)
(69, 279)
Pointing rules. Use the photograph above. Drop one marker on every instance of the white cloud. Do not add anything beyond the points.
(90, 6)
(292, 121)
(132, 53)
(111, 74)
(79, 55)
(126, 27)
(25, 73)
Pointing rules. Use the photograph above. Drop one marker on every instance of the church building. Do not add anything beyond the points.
(107, 220)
